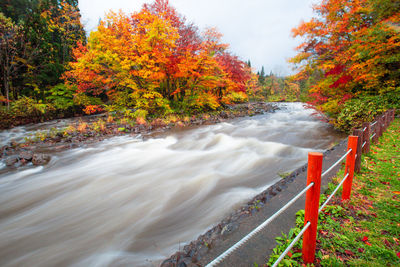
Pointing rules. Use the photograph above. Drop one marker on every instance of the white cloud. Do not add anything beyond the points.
(258, 30)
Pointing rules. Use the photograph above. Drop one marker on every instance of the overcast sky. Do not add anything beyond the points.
(259, 30)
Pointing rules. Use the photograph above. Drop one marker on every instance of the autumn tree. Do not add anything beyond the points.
(155, 59)
(352, 48)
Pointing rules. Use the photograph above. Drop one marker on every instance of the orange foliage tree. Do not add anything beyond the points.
(154, 60)
(351, 47)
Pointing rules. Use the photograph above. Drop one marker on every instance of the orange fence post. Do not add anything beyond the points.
(366, 136)
(359, 133)
(312, 205)
(350, 162)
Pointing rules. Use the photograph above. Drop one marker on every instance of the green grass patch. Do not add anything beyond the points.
(364, 231)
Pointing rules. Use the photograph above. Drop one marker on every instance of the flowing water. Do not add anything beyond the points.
(133, 202)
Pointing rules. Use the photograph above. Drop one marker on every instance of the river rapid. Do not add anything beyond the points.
(133, 202)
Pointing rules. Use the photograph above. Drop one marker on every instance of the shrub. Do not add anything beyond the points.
(364, 109)
(61, 96)
(28, 107)
(235, 97)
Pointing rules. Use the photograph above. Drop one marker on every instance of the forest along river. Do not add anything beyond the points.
(134, 202)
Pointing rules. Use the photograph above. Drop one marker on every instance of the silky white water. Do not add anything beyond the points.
(133, 202)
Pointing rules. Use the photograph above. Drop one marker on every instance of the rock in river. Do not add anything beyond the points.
(40, 159)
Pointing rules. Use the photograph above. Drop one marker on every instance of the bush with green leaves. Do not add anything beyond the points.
(28, 107)
(364, 109)
(61, 96)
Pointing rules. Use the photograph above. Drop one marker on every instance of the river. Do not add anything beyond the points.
(133, 202)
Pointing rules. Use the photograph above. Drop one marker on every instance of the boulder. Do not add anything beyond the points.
(11, 160)
(26, 155)
(40, 159)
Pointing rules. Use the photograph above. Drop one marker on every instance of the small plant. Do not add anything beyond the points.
(110, 119)
(69, 130)
(186, 119)
(92, 109)
(99, 126)
(140, 121)
(283, 174)
(40, 136)
(122, 130)
(82, 127)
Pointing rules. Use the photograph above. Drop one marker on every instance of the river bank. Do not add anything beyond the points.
(34, 150)
(131, 200)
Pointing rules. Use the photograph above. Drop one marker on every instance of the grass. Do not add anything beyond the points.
(364, 231)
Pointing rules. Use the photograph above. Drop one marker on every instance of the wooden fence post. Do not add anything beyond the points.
(376, 132)
(392, 118)
(380, 127)
(386, 120)
(312, 205)
(366, 136)
(350, 160)
(359, 133)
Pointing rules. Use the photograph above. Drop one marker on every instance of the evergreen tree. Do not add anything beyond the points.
(261, 77)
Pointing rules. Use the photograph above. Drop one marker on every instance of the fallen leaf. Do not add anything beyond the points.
(398, 254)
(365, 238)
(387, 244)
(290, 254)
(361, 250)
(396, 192)
(349, 252)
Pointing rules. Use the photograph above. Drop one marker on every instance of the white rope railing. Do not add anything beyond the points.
(333, 193)
(291, 244)
(336, 163)
(238, 244)
(221, 257)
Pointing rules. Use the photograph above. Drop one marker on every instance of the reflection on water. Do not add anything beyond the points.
(131, 202)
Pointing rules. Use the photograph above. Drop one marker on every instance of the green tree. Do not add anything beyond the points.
(50, 29)
(11, 39)
(261, 77)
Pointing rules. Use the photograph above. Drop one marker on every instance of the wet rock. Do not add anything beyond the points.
(3, 149)
(168, 263)
(73, 146)
(185, 262)
(40, 159)
(200, 252)
(62, 147)
(229, 228)
(26, 155)
(22, 162)
(11, 160)
(224, 115)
